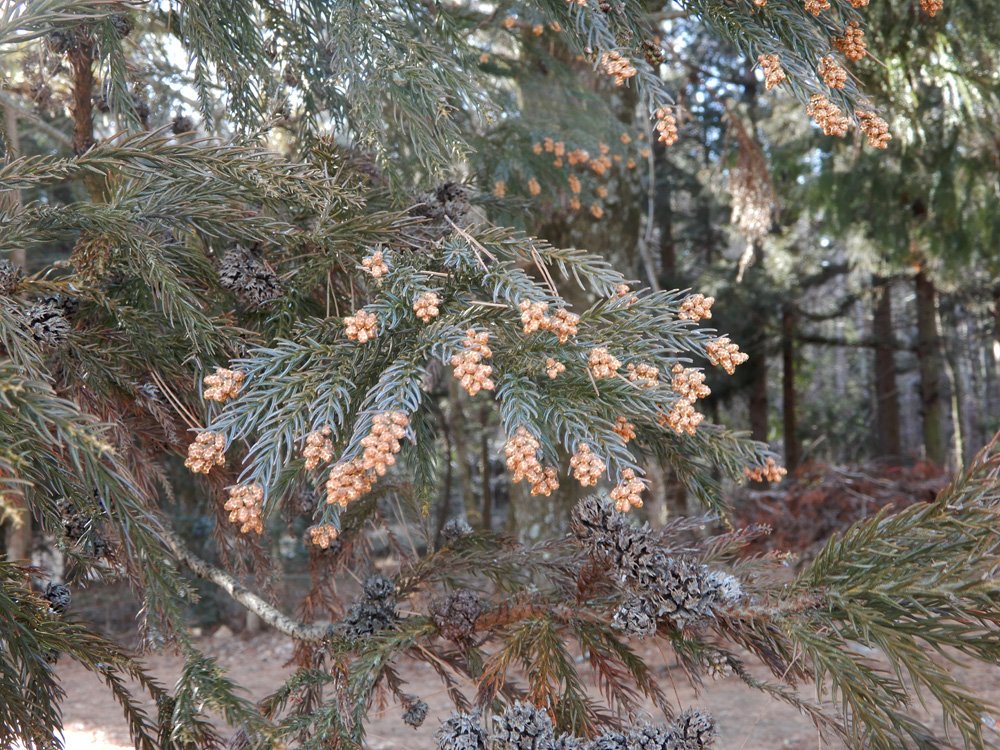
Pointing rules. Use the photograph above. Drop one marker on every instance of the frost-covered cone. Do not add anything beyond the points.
(10, 277)
(75, 524)
(455, 529)
(596, 523)
(415, 714)
(46, 320)
(449, 200)
(523, 727)
(650, 737)
(635, 616)
(728, 588)
(455, 615)
(462, 732)
(59, 597)
(242, 272)
(569, 742)
(608, 741)
(685, 592)
(693, 730)
(378, 588)
(373, 612)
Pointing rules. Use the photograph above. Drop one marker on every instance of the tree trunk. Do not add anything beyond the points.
(788, 406)
(886, 390)
(758, 394)
(484, 459)
(444, 504)
(931, 366)
(457, 421)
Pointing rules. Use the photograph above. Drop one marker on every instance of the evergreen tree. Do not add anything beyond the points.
(274, 296)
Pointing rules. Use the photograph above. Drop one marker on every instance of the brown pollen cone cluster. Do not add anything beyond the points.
(323, 535)
(587, 467)
(426, 306)
(774, 74)
(852, 44)
(827, 115)
(375, 265)
(468, 366)
(319, 448)
(521, 454)
(628, 493)
(617, 67)
(689, 385)
(223, 384)
(666, 126)
(770, 472)
(602, 363)
(696, 307)
(352, 479)
(361, 327)
(207, 450)
(725, 354)
(245, 505)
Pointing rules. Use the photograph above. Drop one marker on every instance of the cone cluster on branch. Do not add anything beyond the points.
(774, 74)
(852, 44)
(374, 611)
(468, 366)
(523, 726)
(644, 375)
(361, 327)
(319, 448)
(521, 454)
(587, 467)
(223, 384)
(618, 67)
(249, 277)
(10, 277)
(828, 116)
(323, 535)
(681, 590)
(245, 506)
(602, 363)
(725, 353)
(375, 265)
(207, 451)
(351, 479)
(666, 126)
(696, 307)
(426, 306)
(535, 317)
(455, 615)
(769, 472)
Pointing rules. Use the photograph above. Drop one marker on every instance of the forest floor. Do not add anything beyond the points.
(748, 720)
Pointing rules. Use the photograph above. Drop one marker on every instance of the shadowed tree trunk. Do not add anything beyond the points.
(484, 460)
(758, 394)
(931, 366)
(788, 405)
(886, 391)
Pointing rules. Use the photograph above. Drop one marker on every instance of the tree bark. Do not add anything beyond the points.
(886, 390)
(484, 459)
(931, 366)
(788, 405)
(758, 394)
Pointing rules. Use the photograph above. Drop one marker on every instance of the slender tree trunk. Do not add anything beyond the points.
(484, 458)
(444, 504)
(758, 394)
(996, 345)
(788, 405)
(457, 422)
(886, 390)
(931, 366)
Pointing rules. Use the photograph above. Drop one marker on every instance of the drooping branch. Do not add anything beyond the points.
(300, 631)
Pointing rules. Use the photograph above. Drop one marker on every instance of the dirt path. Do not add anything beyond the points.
(747, 719)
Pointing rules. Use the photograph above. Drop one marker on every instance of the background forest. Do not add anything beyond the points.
(328, 319)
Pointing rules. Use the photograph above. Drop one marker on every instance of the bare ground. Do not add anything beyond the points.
(748, 720)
